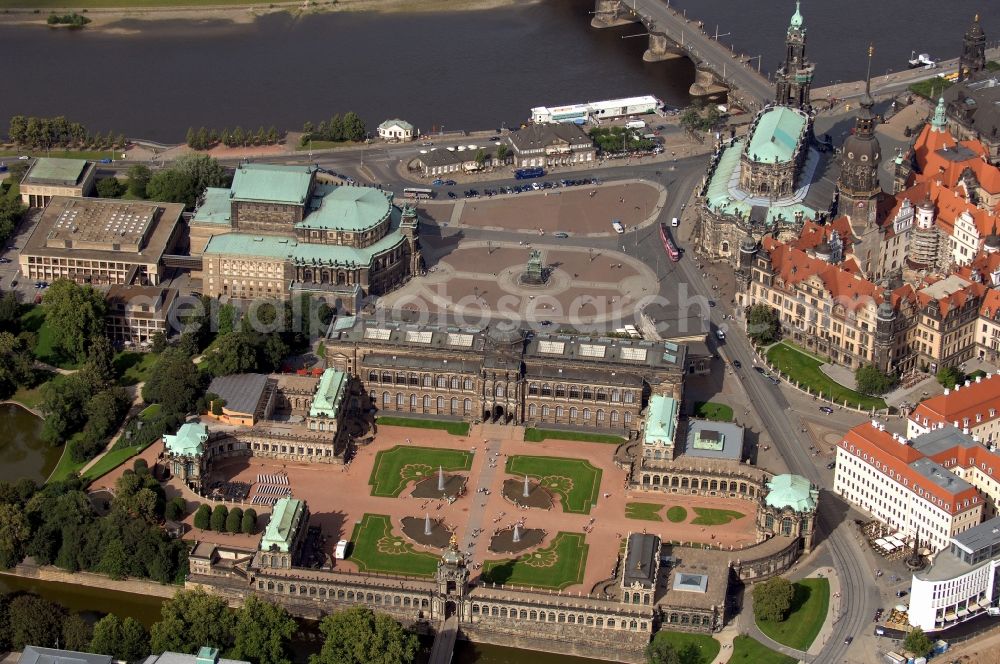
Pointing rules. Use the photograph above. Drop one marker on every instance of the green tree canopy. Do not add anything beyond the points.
(763, 324)
(138, 177)
(34, 621)
(126, 639)
(203, 517)
(659, 651)
(110, 187)
(15, 533)
(172, 186)
(918, 643)
(248, 524)
(360, 636)
(76, 633)
(872, 381)
(262, 632)
(175, 383)
(190, 620)
(219, 515)
(950, 376)
(233, 520)
(75, 315)
(772, 599)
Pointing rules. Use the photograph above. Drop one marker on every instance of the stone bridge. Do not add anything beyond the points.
(719, 71)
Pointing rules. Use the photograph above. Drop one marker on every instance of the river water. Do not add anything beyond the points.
(23, 453)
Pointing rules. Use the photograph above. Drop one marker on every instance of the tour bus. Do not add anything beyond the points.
(418, 192)
(529, 173)
(341, 551)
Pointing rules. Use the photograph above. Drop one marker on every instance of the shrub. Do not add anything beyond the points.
(248, 526)
(219, 516)
(202, 518)
(234, 521)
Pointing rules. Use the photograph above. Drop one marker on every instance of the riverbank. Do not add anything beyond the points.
(90, 580)
(105, 14)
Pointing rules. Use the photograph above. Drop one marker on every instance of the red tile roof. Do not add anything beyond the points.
(961, 403)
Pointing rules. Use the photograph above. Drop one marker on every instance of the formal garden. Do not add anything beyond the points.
(576, 481)
(804, 369)
(643, 511)
(396, 467)
(704, 516)
(559, 565)
(376, 549)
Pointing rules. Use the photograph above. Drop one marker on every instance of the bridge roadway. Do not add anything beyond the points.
(745, 83)
(444, 642)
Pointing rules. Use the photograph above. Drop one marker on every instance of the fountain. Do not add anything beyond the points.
(427, 525)
(527, 487)
(517, 532)
(440, 478)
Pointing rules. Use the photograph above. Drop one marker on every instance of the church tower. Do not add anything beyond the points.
(973, 58)
(858, 186)
(794, 77)
(409, 226)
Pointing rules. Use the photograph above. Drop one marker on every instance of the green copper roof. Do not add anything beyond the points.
(216, 208)
(792, 491)
(272, 246)
(271, 183)
(776, 135)
(63, 171)
(347, 208)
(661, 420)
(189, 440)
(329, 394)
(402, 123)
(796, 21)
(940, 119)
(283, 524)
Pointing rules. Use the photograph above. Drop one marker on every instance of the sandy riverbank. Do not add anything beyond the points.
(107, 19)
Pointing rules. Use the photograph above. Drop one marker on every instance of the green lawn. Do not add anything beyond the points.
(708, 516)
(559, 565)
(709, 410)
(643, 511)
(454, 428)
(29, 397)
(133, 367)
(150, 412)
(376, 549)
(804, 369)
(318, 145)
(750, 651)
(66, 466)
(677, 514)
(576, 481)
(112, 460)
(395, 468)
(538, 435)
(34, 320)
(806, 617)
(932, 88)
(692, 648)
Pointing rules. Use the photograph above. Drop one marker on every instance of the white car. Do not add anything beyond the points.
(617, 225)
(24, 157)
(675, 222)
(720, 335)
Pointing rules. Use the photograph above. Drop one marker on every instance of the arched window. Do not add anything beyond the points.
(614, 417)
(454, 382)
(573, 412)
(441, 382)
(440, 404)
(559, 411)
(600, 415)
(545, 411)
(616, 396)
(629, 397)
(467, 406)
(499, 390)
(468, 384)
(400, 399)
(413, 401)
(532, 410)
(532, 388)
(454, 405)
(427, 402)
(426, 380)
(386, 399)
(588, 393)
(586, 414)
(373, 376)
(628, 418)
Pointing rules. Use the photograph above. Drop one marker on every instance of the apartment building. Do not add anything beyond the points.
(973, 407)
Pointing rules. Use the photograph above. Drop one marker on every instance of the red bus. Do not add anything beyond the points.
(668, 243)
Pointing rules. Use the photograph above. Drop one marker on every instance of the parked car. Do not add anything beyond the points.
(675, 221)
(848, 640)
(900, 593)
(737, 364)
(450, 183)
(561, 235)
(24, 157)
(451, 194)
(438, 182)
(826, 409)
(545, 323)
(831, 465)
(759, 370)
(4, 260)
(720, 335)
(711, 303)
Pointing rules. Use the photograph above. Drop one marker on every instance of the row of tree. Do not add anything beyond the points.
(224, 520)
(37, 132)
(205, 139)
(348, 128)
(620, 139)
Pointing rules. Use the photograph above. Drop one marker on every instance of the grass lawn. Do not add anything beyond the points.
(643, 511)
(538, 435)
(112, 460)
(804, 369)
(376, 549)
(395, 468)
(150, 412)
(677, 514)
(708, 516)
(931, 88)
(809, 608)
(750, 651)
(316, 144)
(29, 397)
(702, 648)
(133, 367)
(66, 465)
(454, 428)
(709, 410)
(559, 565)
(576, 481)
(34, 320)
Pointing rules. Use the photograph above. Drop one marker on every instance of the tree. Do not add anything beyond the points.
(135, 640)
(190, 620)
(175, 383)
(34, 621)
(138, 179)
(158, 342)
(502, 151)
(76, 633)
(307, 127)
(872, 381)
(238, 137)
(262, 632)
(353, 127)
(15, 532)
(772, 599)
(110, 188)
(176, 508)
(172, 186)
(273, 136)
(949, 377)
(126, 640)
(480, 157)
(75, 315)
(100, 366)
(219, 516)
(360, 636)
(918, 643)
(763, 324)
(248, 525)
(233, 520)
(659, 651)
(62, 403)
(203, 517)
(203, 140)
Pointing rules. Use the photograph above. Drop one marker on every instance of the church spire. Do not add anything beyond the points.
(796, 22)
(940, 120)
(867, 100)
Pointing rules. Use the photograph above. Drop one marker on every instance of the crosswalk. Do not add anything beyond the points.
(272, 479)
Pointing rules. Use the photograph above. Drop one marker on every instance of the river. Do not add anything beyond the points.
(23, 453)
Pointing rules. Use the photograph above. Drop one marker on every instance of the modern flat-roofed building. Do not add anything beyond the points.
(922, 487)
(48, 177)
(972, 407)
(39, 655)
(102, 241)
(136, 313)
(707, 439)
(961, 584)
(206, 655)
